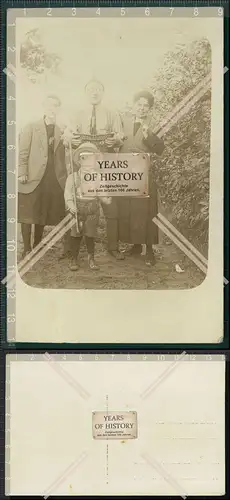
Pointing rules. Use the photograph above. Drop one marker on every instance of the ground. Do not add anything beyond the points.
(132, 273)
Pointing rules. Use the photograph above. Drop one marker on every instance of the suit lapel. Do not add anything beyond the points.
(139, 135)
(41, 130)
(129, 132)
(57, 136)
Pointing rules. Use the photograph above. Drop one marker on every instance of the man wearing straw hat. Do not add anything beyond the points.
(100, 125)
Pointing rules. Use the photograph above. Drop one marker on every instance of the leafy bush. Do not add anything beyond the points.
(35, 59)
(182, 173)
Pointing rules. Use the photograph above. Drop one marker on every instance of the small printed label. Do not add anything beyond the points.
(110, 174)
(115, 425)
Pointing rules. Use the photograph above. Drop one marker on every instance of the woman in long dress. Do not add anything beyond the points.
(136, 214)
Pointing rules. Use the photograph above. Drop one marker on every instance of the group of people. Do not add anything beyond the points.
(49, 182)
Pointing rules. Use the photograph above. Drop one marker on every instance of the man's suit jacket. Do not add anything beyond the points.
(33, 156)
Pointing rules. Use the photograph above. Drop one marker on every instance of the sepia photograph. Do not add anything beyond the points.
(119, 176)
(120, 94)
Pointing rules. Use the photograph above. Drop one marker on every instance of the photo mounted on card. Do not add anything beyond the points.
(145, 425)
(115, 175)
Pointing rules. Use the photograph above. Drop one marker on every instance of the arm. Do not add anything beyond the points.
(68, 194)
(25, 139)
(72, 131)
(117, 129)
(67, 160)
(154, 143)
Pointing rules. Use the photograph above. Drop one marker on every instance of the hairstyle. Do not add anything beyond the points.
(146, 94)
(94, 80)
(55, 97)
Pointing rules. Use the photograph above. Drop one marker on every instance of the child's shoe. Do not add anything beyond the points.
(73, 264)
(92, 263)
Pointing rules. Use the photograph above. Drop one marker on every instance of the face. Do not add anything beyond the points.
(141, 108)
(86, 155)
(51, 108)
(86, 162)
(94, 92)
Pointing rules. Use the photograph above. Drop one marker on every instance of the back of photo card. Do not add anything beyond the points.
(103, 425)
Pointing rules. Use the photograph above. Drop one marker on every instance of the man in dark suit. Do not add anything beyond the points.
(41, 175)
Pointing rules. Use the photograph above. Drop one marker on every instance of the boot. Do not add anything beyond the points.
(73, 265)
(92, 264)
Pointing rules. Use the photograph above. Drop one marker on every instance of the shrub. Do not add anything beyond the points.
(182, 173)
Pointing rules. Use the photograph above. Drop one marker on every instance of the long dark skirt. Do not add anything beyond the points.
(45, 205)
(135, 218)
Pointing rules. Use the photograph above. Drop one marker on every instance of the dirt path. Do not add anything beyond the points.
(132, 273)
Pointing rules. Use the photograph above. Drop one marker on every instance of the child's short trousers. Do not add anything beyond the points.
(88, 213)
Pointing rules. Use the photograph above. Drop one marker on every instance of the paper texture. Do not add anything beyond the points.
(180, 298)
(179, 449)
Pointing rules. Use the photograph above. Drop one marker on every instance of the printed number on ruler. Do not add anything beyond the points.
(11, 318)
(11, 245)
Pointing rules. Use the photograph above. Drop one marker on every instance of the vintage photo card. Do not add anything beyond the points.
(115, 175)
(115, 425)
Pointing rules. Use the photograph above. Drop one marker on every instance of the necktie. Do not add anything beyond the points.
(93, 129)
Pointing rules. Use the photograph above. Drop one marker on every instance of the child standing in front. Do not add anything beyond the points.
(86, 210)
